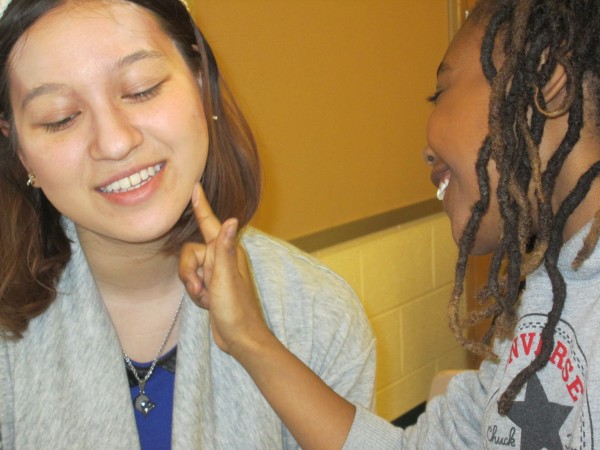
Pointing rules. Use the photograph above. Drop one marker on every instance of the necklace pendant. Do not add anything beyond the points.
(143, 404)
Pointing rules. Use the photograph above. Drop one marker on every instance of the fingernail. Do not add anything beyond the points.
(195, 195)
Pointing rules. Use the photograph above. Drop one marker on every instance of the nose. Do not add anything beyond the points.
(429, 156)
(116, 134)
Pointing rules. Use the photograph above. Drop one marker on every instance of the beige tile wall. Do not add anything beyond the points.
(404, 277)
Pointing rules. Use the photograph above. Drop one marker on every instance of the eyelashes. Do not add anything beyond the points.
(146, 95)
(60, 124)
(137, 97)
(433, 98)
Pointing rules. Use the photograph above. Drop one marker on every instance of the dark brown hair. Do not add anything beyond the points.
(533, 36)
(33, 246)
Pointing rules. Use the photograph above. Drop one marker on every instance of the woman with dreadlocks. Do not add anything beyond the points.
(514, 147)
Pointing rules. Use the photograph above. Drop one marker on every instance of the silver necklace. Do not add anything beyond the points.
(142, 402)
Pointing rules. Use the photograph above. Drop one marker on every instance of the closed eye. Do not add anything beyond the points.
(53, 127)
(433, 98)
(145, 95)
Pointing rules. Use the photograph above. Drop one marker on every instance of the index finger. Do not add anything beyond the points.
(207, 221)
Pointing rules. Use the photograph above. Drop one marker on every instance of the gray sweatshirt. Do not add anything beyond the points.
(64, 385)
(558, 408)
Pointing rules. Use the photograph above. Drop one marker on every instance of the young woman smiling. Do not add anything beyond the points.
(112, 112)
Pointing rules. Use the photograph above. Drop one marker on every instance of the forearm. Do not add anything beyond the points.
(317, 417)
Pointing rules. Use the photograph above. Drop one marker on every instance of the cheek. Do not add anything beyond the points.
(438, 130)
(488, 233)
(182, 121)
(450, 132)
(460, 196)
(55, 167)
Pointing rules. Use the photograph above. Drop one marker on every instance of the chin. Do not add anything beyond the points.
(146, 234)
(483, 245)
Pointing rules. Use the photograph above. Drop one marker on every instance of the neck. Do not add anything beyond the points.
(585, 153)
(131, 273)
(140, 288)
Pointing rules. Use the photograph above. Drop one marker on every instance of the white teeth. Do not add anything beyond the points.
(442, 189)
(133, 181)
(124, 183)
(136, 179)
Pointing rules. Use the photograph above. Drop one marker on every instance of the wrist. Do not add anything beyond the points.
(255, 349)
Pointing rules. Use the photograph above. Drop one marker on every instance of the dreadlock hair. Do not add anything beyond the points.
(534, 37)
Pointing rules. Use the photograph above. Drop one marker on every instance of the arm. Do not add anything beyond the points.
(217, 278)
(317, 417)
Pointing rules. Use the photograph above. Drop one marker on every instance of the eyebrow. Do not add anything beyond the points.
(121, 63)
(138, 56)
(41, 90)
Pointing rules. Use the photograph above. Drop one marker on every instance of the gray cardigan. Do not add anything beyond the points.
(64, 385)
(559, 407)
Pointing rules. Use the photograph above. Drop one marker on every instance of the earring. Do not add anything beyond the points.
(215, 118)
(550, 114)
(30, 179)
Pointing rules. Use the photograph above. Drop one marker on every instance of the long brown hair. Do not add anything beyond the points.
(34, 249)
(534, 36)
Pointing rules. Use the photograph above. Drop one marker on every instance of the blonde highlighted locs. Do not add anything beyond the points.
(34, 249)
(534, 37)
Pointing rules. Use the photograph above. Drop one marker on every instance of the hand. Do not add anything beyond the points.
(217, 278)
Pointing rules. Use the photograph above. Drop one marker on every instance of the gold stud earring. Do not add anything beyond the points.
(215, 118)
(30, 179)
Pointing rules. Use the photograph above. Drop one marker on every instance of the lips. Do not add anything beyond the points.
(133, 181)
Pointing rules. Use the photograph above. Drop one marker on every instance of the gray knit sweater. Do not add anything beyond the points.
(559, 407)
(64, 385)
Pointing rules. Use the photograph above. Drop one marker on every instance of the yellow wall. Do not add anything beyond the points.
(404, 277)
(334, 90)
(335, 93)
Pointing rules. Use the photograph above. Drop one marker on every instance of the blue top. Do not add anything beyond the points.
(155, 427)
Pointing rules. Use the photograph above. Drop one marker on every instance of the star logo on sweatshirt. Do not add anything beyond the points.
(539, 419)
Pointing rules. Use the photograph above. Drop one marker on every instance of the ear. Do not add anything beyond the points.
(4, 126)
(5, 130)
(199, 74)
(555, 85)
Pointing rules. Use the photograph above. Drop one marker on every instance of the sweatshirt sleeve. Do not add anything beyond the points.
(451, 421)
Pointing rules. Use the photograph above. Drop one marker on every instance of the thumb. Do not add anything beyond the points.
(226, 248)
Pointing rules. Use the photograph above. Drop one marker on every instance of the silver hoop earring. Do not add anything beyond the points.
(30, 179)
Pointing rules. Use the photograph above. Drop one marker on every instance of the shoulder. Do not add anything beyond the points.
(264, 248)
(275, 262)
(303, 300)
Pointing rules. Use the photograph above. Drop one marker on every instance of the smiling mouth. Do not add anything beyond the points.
(442, 189)
(133, 181)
